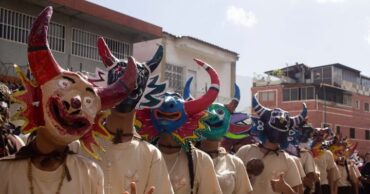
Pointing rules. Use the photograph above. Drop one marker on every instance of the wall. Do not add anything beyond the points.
(14, 52)
(178, 54)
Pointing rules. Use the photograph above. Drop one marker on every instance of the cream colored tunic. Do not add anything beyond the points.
(274, 165)
(325, 162)
(231, 174)
(133, 161)
(205, 181)
(353, 173)
(87, 177)
(308, 162)
(299, 166)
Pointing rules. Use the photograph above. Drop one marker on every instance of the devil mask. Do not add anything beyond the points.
(4, 104)
(64, 103)
(220, 114)
(275, 125)
(341, 147)
(148, 87)
(184, 120)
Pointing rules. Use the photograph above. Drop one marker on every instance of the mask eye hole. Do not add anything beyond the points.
(220, 111)
(88, 101)
(63, 83)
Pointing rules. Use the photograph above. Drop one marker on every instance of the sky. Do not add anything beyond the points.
(267, 34)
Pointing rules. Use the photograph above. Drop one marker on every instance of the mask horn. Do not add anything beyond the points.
(41, 61)
(258, 108)
(187, 96)
(235, 101)
(300, 118)
(156, 60)
(121, 89)
(201, 103)
(105, 54)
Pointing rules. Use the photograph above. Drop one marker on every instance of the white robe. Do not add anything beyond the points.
(274, 165)
(205, 181)
(325, 162)
(133, 161)
(231, 174)
(87, 177)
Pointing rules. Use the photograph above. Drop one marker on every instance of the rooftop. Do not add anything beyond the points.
(139, 29)
(202, 42)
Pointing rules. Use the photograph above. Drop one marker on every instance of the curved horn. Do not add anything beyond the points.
(156, 60)
(41, 61)
(105, 54)
(258, 108)
(235, 101)
(299, 119)
(201, 103)
(187, 96)
(121, 89)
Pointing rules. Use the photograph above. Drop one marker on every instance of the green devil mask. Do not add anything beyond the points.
(219, 114)
(219, 122)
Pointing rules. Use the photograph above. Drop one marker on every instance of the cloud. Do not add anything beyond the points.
(329, 1)
(238, 16)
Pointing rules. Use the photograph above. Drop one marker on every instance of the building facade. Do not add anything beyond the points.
(73, 33)
(178, 64)
(336, 95)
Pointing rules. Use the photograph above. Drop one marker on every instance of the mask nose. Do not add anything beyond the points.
(76, 102)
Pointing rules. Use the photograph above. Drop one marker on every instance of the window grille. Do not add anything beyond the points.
(84, 45)
(174, 75)
(15, 26)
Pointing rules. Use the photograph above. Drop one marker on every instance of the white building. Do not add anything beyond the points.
(178, 64)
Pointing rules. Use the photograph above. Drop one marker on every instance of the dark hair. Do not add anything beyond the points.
(189, 155)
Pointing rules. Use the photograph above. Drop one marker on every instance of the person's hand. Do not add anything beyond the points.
(309, 180)
(133, 189)
(279, 185)
(254, 167)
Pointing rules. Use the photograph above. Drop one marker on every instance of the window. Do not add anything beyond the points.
(267, 96)
(352, 133)
(347, 100)
(84, 45)
(15, 26)
(366, 106)
(357, 104)
(286, 94)
(322, 75)
(304, 93)
(338, 130)
(174, 75)
(310, 93)
(294, 94)
(367, 135)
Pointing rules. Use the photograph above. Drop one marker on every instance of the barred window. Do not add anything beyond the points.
(174, 75)
(15, 26)
(84, 45)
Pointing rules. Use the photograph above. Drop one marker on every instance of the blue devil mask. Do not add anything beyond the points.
(275, 125)
(171, 115)
(182, 119)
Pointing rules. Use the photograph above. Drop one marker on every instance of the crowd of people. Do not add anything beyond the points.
(127, 134)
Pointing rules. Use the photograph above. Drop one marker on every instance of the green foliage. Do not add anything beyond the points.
(278, 73)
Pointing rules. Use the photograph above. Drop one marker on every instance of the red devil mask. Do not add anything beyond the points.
(64, 103)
